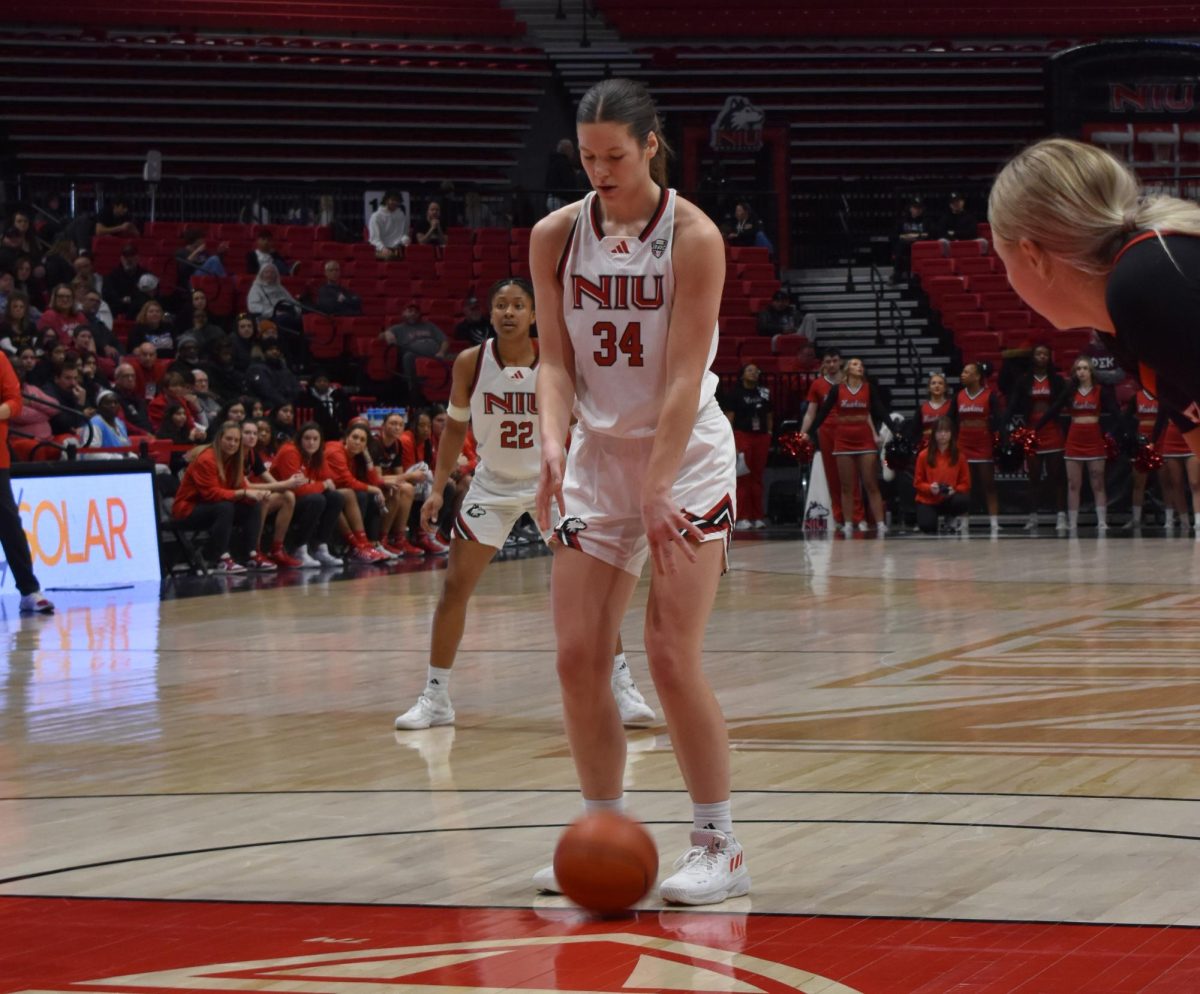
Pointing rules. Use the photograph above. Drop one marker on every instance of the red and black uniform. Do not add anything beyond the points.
(1085, 437)
(1172, 444)
(817, 392)
(928, 417)
(1031, 398)
(856, 408)
(1153, 296)
(978, 415)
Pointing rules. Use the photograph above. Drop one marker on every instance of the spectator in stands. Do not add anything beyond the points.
(387, 228)
(115, 219)
(957, 224)
(748, 407)
(54, 217)
(133, 403)
(415, 338)
(86, 271)
(175, 429)
(200, 325)
(91, 376)
(60, 262)
(150, 371)
(254, 407)
(153, 328)
(121, 285)
(21, 221)
(330, 404)
(26, 361)
(361, 487)
(62, 318)
(283, 425)
(66, 391)
(433, 233)
(335, 299)
(269, 299)
(562, 176)
(264, 253)
(12, 533)
(214, 496)
(108, 428)
(315, 519)
(226, 378)
(912, 226)
(32, 286)
(51, 354)
(265, 446)
(187, 356)
(177, 389)
(418, 461)
(18, 331)
(147, 290)
(942, 480)
(475, 327)
(235, 411)
(745, 228)
(247, 345)
(208, 406)
(100, 322)
(780, 317)
(271, 380)
(194, 257)
(7, 286)
(12, 245)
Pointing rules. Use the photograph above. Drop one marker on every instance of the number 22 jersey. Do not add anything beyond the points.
(618, 292)
(504, 417)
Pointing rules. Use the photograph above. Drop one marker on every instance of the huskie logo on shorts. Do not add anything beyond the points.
(475, 511)
(568, 531)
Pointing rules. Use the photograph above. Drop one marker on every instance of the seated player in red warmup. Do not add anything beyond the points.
(941, 480)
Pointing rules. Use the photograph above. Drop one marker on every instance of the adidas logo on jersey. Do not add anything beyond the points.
(622, 248)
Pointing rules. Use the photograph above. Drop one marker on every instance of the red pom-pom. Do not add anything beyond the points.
(1147, 458)
(1026, 438)
(797, 446)
(1111, 448)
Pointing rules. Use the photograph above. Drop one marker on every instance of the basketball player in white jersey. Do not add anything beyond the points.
(494, 389)
(630, 283)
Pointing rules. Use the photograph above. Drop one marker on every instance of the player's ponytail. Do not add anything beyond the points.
(1079, 203)
(623, 101)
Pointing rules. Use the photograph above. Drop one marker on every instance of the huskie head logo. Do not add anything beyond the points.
(571, 526)
(817, 518)
(658, 247)
(475, 511)
(637, 961)
(738, 128)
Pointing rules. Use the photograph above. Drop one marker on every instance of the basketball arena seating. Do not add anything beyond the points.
(967, 288)
(446, 18)
(223, 106)
(888, 18)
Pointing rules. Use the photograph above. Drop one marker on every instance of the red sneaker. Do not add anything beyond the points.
(411, 550)
(395, 547)
(258, 563)
(281, 559)
(432, 545)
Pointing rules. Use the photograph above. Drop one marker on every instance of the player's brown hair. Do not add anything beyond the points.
(624, 101)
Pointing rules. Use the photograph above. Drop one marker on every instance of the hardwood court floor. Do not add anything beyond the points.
(943, 750)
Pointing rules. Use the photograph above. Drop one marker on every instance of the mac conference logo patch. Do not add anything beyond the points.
(658, 247)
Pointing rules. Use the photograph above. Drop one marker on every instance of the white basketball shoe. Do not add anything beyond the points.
(630, 702)
(711, 871)
(430, 710)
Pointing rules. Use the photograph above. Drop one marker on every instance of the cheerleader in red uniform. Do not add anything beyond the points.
(1031, 397)
(856, 443)
(937, 405)
(831, 376)
(1177, 465)
(978, 411)
(1086, 402)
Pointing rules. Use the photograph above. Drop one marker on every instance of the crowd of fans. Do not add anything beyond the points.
(216, 399)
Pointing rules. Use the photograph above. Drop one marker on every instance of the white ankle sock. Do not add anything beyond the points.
(1169, 518)
(1072, 519)
(718, 816)
(619, 663)
(1101, 515)
(437, 680)
(1137, 515)
(616, 804)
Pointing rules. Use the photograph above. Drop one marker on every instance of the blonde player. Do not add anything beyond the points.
(493, 388)
(630, 281)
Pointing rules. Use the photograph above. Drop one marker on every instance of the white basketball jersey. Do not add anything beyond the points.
(504, 416)
(618, 293)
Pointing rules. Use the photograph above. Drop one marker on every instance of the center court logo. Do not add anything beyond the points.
(615, 963)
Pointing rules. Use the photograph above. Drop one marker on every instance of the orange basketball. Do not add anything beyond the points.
(606, 862)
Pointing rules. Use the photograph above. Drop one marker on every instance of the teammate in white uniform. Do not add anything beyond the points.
(493, 390)
(630, 281)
